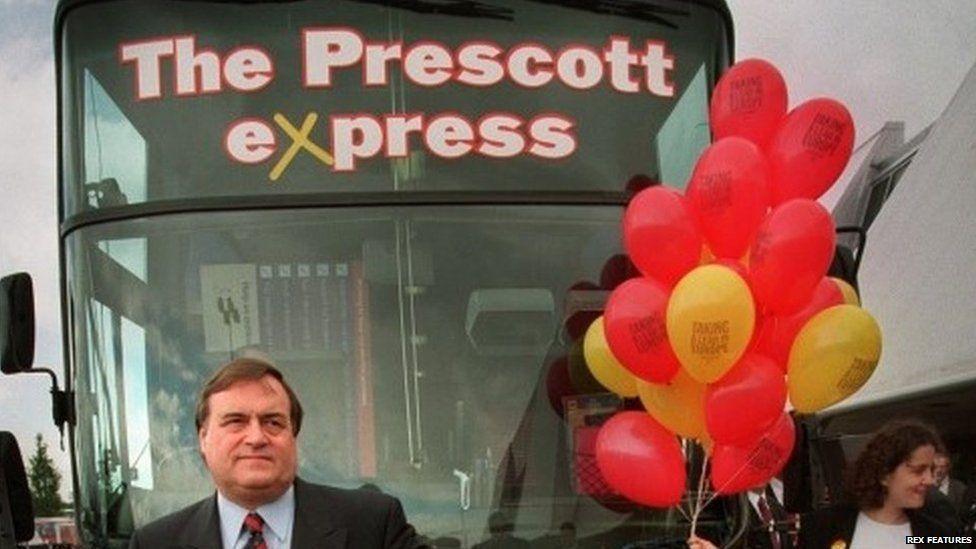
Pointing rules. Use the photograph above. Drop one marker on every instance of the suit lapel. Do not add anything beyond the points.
(203, 528)
(313, 524)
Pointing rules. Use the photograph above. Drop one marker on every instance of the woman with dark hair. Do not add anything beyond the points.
(887, 486)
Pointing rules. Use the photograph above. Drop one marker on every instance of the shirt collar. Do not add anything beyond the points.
(775, 484)
(278, 517)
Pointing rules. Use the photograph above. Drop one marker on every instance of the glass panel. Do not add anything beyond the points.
(685, 133)
(896, 176)
(879, 191)
(255, 113)
(422, 342)
(129, 253)
(136, 405)
(115, 152)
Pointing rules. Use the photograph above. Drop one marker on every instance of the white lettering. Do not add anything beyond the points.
(250, 141)
(620, 58)
(190, 65)
(580, 68)
(657, 63)
(479, 65)
(248, 69)
(147, 57)
(552, 137)
(428, 64)
(500, 137)
(449, 136)
(398, 129)
(530, 66)
(354, 137)
(328, 49)
(377, 57)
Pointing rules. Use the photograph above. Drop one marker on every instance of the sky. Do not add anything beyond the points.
(885, 59)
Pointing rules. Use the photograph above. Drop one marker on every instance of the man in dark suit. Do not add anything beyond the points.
(247, 421)
(952, 488)
(770, 525)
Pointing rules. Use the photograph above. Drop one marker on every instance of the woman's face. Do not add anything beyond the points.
(906, 486)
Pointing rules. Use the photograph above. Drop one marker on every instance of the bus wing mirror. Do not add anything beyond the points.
(16, 506)
(16, 323)
(17, 343)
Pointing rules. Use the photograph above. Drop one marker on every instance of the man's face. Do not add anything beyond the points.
(941, 468)
(247, 442)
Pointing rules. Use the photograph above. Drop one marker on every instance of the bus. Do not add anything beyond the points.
(406, 205)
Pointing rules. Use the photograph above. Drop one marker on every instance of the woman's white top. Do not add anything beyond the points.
(869, 534)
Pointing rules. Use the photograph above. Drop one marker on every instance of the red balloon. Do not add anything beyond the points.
(810, 150)
(641, 460)
(791, 253)
(634, 323)
(749, 101)
(739, 468)
(742, 405)
(729, 190)
(661, 234)
(778, 332)
(736, 266)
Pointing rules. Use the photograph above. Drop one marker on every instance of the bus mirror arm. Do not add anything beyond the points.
(62, 401)
(17, 343)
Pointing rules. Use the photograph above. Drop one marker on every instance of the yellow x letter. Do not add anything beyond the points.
(299, 140)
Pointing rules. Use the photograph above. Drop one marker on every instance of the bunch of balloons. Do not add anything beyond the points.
(733, 311)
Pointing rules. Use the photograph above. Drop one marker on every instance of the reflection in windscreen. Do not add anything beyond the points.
(426, 345)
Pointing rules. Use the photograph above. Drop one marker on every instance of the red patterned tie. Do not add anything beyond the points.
(768, 520)
(255, 526)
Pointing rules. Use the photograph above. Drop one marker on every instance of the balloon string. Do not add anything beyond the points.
(698, 496)
(719, 489)
(691, 504)
(683, 513)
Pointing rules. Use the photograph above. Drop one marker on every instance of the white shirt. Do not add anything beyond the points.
(278, 516)
(869, 534)
(944, 486)
(777, 486)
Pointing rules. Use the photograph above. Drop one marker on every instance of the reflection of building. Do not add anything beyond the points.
(916, 198)
(55, 531)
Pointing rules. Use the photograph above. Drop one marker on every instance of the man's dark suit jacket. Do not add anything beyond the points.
(758, 535)
(325, 517)
(957, 495)
(821, 529)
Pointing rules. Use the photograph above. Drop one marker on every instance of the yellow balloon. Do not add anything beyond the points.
(710, 320)
(678, 405)
(850, 294)
(603, 365)
(832, 357)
